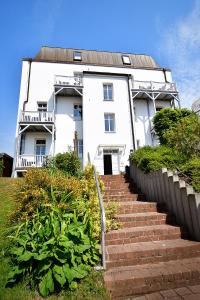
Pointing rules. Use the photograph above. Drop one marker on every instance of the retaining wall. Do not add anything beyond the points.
(164, 186)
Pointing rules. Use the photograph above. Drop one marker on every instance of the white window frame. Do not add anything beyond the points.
(77, 55)
(126, 60)
(78, 118)
(105, 86)
(106, 118)
(45, 144)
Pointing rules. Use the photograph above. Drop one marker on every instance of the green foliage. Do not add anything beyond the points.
(192, 170)
(185, 136)
(154, 158)
(53, 250)
(166, 119)
(67, 162)
(1, 168)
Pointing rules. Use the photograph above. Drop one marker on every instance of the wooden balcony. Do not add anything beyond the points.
(30, 161)
(32, 117)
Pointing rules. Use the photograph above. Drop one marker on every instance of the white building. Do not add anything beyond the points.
(102, 101)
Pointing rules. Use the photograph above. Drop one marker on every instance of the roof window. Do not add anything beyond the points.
(77, 55)
(126, 60)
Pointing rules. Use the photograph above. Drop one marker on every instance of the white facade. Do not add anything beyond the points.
(136, 94)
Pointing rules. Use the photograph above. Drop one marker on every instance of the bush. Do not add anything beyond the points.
(192, 170)
(67, 162)
(166, 119)
(53, 250)
(185, 136)
(1, 168)
(39, 186)
(154, 158)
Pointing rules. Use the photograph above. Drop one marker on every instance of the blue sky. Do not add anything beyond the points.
(167, 30)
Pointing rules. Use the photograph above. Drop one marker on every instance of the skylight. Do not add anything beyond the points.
(77, 55)
(126, 60)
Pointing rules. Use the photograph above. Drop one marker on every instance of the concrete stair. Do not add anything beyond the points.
(149, 252)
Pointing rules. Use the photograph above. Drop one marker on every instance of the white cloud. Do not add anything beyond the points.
(181, 46)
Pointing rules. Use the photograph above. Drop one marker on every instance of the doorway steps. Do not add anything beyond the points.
(149, 252)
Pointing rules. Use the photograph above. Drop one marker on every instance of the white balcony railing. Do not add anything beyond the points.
(30, 161)
(36, 116)
(68, 80)
(154, 86)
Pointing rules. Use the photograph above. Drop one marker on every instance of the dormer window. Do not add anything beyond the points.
(77, 55)
(126, 60)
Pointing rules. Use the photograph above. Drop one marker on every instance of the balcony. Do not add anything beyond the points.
(36, 117)
(162, 90)
(154, 86)
(68, 85)
(30, 161)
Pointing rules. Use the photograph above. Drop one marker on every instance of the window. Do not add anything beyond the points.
(77, 112)
(80, 148)
(40, 148)
(77, 55)
(108, 92)
(109, 121)
(42, 106)
(126, 60)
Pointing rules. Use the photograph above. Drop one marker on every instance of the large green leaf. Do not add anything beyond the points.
(59, 274)
(46, 285)
(25, 256)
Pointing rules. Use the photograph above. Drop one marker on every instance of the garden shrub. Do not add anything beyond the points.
(166, 119)
(1, 168)
(192, 170)
(185, 136)
(154, 158)
(39, 186)
(67, 162)
(53, 250)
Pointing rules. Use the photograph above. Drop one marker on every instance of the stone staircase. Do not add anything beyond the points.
(149, 252)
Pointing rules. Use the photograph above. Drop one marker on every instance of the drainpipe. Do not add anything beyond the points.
(28, 85)
(131, 113)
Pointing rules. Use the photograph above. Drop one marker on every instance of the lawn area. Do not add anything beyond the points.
(91, 288)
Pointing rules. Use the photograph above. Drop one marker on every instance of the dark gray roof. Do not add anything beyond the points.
(102, 58)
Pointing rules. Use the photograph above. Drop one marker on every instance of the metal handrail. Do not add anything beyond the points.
(103, 216)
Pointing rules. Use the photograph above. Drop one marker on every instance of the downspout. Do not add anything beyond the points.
(131, 113)
(28, 85)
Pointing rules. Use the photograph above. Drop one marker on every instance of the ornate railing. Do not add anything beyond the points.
(154, 86)
(68, 80)
(103, 216)
(36, 116)
(30, 161)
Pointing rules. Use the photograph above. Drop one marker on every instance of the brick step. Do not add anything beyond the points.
(150, 252)
(143, 279)
(119, 192)
(144, 234)
(119, 198)
(139, 206)
(144, 219)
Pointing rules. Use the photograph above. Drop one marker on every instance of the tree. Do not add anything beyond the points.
(1, 167)
(166, 119)
(185, 136)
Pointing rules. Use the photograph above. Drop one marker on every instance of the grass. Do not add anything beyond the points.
(91, 288)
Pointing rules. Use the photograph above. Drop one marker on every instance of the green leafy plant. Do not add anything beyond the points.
(53, 250)
(166, 119)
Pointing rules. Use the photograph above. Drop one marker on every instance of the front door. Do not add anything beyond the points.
(107, 160)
